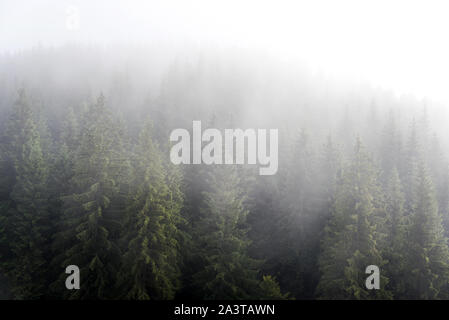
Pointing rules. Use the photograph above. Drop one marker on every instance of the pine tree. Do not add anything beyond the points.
(427, 251)
(70, 132)
(300, 223)
(395, 244)
(444, 200)
(86, 238)
(264, 207)
(409, 171)
(350, 245)
(439, 170)
(227, 270)
(390, 148)
(25, 219)
(62, 170)
(151, 260)
(329, 170)
(64, 156)
(270, 290)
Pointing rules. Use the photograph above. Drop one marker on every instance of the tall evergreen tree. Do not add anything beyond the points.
(300, 223)
(439, 171)
(86, 238)
(443, 200)
(409, 170)
(151, 261)
(350, 245)
(227, 270)
(427, 254)
(24, 221)
(395, 244)
(390, 148)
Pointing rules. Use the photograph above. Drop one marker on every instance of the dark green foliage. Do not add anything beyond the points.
(298, 208)
(89, 190)
(413, 155)
(227, 271)
(390, 148)
(88, 225)
(270, 289)
(427, 254)
(24, 220)
(150, 262)
(350, 243)
(395, 243)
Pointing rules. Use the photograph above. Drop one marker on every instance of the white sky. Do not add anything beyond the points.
(398, 44)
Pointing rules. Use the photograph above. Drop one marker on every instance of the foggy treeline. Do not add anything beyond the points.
(86, 180)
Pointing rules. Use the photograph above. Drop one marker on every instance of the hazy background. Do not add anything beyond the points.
(397, 44)
(322, 72)
(319, 60)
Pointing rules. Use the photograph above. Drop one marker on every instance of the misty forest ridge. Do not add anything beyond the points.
(86, 180)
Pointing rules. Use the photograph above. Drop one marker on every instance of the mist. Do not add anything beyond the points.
(90, 92)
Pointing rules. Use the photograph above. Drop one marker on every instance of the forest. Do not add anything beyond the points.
(86, 180)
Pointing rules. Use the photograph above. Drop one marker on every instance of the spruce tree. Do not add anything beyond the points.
(350, 245)
(150, 267)
(25, 222)
(390, 148)
(409, 169)
(300, 223)
(227, 272)
(395, 244)
(270, 289)
(85, 238)
(427, 251)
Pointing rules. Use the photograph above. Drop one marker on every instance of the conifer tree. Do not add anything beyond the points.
(395, 244)
(265, 208)
(270, 290)
(227, 270)
(300, 221)
(427, 251)
(86, 238)
(25, 220)
(439, 171)
(409, 175)
(64, 156)
(444, 200)
(350, 245)
(70, 131)
(390, 148)
(329, 170)
(151, 260)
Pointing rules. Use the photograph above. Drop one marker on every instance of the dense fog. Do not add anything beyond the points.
(86, 178)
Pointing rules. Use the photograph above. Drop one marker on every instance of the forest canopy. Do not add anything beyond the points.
(86, 180)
